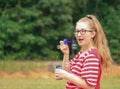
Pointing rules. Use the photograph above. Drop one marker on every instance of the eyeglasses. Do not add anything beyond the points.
(82, 31)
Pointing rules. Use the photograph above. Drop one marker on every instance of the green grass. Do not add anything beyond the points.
(110, 83)
(39, 83)
(24, 66)
(31, 83)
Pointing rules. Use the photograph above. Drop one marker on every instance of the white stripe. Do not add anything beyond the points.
(92, 83)
(95, 80)
(95, 76)
(89, 68)
(72, 61)
(93, 63)
(92, 59)
(76, 71)
(89, 55)
(77, 67)
(90, 71)
(79, 64)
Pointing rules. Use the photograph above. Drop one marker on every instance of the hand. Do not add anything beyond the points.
(64, 48)
(60, 74)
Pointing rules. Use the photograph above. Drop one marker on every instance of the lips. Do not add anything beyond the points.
(80, 39)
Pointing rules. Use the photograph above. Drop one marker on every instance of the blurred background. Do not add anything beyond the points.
(30, 31)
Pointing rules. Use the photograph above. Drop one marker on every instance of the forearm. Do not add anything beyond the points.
(65, 64)
(77, 80)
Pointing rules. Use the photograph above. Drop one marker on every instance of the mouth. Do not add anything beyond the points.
(80, 39)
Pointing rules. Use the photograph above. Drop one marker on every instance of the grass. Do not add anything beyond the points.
(45, 82)
(13, 66)
(40, 83)
(31, 83)
(110, 83)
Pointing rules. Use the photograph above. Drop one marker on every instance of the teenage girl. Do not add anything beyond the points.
(84, 70)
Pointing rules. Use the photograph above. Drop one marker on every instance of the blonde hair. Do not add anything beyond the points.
(100, 41)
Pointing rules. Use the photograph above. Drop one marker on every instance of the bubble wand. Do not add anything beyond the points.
(66, 41)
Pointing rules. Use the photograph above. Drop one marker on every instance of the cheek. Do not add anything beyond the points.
(88, 38)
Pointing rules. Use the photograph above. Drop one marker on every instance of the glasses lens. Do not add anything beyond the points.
(82, 32)
(76, 32)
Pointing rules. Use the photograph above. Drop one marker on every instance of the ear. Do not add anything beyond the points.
(93, 34)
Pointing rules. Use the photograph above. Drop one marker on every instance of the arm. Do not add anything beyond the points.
(65, 63)
(78, 81)
(72, 78)
(65, 50)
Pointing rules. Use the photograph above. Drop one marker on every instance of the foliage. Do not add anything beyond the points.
(32, 29)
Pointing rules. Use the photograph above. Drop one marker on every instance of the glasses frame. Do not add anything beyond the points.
(82, 31)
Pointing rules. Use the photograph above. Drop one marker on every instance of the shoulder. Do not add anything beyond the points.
(92, 55)
(94, 52)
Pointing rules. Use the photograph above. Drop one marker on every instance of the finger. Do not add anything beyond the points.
(63, 47)
(57, 71)
(61, 42)
(57, 76)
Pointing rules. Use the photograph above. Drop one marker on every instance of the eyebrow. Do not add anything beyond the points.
(82, 29)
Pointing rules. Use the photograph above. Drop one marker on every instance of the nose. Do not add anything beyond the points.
(79, 34)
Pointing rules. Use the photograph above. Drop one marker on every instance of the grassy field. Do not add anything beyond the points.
(39, 83)
(27, 75)
(24, 66)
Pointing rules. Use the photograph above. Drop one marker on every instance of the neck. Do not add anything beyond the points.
(87, 47)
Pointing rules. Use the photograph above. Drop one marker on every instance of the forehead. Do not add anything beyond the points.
(82, 25)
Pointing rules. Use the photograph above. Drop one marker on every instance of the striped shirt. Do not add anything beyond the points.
(87, 65)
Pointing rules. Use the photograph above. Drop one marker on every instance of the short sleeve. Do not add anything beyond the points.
(91, 70)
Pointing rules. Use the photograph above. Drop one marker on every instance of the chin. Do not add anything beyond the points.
(80, 44)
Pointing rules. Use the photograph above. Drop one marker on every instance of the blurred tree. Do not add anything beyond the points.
(32, 29)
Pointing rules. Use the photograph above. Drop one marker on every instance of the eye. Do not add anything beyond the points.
(83, 30)
(77, 31)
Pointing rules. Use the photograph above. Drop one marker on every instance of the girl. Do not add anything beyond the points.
(84, 70)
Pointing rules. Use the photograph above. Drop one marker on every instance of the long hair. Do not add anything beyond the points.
(100, 41)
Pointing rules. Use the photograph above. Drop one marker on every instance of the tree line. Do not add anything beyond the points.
(32, 29)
